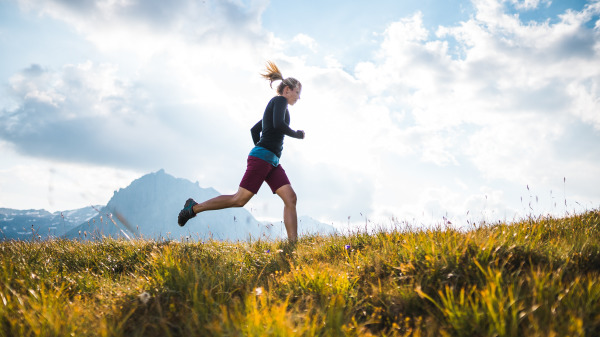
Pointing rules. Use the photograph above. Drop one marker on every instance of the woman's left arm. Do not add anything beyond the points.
(279, 111)
(255, 131)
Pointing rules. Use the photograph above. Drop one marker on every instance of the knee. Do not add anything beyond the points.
(291, 199)
(240, 201)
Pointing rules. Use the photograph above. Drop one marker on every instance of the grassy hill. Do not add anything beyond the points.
(536, 277)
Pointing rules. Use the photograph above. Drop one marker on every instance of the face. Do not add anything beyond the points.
(292, 95)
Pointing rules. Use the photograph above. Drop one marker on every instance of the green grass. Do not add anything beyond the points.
(536, 277)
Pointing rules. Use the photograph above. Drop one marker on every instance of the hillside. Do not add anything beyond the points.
(535, 277)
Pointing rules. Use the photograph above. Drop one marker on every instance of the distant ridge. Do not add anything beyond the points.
(40, 224)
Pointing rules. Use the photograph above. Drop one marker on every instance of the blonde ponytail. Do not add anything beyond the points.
(274, 74)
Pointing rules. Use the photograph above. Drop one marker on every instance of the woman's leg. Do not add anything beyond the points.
(256, 172)
(225, 201)
(290, 218)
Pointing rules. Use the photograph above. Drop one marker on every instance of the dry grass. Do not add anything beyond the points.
(536, 277)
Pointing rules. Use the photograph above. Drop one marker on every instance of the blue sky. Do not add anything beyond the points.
(414, 110)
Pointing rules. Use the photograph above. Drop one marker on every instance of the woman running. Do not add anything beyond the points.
(263, 160)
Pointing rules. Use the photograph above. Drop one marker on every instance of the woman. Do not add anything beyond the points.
(263, 160)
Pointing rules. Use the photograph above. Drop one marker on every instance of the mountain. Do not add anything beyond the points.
(41, 224)
(308, 226)
(149, 206)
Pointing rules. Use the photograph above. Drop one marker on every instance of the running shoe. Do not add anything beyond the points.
(187, 212)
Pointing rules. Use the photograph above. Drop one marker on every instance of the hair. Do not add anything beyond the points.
(274, 74)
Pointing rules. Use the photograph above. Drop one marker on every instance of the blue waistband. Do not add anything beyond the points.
(264, 154)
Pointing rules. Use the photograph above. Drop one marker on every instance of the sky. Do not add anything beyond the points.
(415, 112)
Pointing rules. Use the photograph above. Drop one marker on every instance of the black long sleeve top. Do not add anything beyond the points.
(274, 125)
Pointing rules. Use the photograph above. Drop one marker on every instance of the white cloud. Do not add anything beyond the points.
(37, 183)
(586, 101)
(529, 4)
(419, 128)
(79, 111)
(514, 87)
(306, 41)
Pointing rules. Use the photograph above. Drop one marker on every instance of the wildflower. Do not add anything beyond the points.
(144, 297)
(347, 247)
(268, 251)
(258, 291)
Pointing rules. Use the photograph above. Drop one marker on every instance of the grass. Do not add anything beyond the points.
(535, 277)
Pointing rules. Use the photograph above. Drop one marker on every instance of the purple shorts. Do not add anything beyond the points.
(258, 171)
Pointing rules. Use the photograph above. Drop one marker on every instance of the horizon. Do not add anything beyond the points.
(363, 223)
(424, 112)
